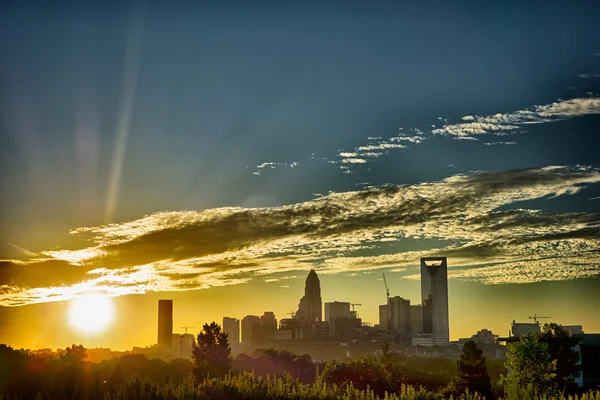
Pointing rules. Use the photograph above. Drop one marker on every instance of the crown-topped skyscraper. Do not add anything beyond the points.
(434, 293)
(310, 307)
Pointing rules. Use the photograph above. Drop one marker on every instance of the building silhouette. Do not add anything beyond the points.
(268, 327)
(518, 329)
(399, 314)
(250, 331)
(383, 316)
(310, 307)
(416, 318)
(165, 324)
(335, 310)
(231, 326)
(434, 295)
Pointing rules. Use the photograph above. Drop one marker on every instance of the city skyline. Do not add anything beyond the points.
(183, 151)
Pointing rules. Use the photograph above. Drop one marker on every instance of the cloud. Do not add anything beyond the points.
(584, 76)
(502, 124)
(271, 164)
(354, 161)
(500, 143)
(190, 250)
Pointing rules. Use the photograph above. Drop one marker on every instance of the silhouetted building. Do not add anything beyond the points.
(310, 307)
(416, 318)
(399, 312)
(182, 345)
(383, 316)
(231, 326)
(483, 336)
(334, 310)
(573, 329)
(250, 331)
(434, 294)
(165, 324)
(518, 329)
(589, 352)
(294, 326)
(268, 327)
(347, 326)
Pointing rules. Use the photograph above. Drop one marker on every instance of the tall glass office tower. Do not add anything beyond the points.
(434, 293)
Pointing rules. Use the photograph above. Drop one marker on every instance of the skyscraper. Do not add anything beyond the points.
(383, 316)
(434, 294)
(165, 324)
(310, 307)
(416, 318)
(250, 331)
(399, 314)
(231, 326)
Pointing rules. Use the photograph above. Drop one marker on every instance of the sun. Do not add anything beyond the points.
(91, 314)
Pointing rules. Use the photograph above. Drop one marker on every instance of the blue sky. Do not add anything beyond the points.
(115, 112)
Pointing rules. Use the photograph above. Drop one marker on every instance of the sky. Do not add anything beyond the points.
(214, 152)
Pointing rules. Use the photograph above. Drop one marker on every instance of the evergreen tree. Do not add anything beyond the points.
(561, 348)
(211, 352)
(472, 372)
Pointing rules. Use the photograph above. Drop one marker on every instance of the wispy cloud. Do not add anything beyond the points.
(500, 143)
(190, 250)
(271, 164)
(501, 124)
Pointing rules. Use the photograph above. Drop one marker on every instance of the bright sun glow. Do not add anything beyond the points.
(91, 313)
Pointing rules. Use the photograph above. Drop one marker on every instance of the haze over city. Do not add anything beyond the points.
(214, 158)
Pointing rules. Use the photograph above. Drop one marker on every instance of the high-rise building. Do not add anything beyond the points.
(434, 294)
(335, 310)
(250, 329)
(383, 316)
(416, 318)
(310, 307)
(165, 324)
(268, 327)
(231, 326)
(399, 312)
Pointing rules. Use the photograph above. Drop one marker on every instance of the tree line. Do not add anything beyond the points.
(543, 364)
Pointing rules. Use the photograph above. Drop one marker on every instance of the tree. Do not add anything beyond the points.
(362, 372)
(561, 348)
(472, 371)
(531, 370)
(386, 352)
(211, 352)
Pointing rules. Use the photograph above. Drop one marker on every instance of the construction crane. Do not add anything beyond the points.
(355, 304)
(387, 303)
(186, 328)
(535, 318)
(387, 291)
(292, 314)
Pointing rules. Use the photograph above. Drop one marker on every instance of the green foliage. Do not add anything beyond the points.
(211, 352)
(276, 363)
(431, 372)
(561, 348)
(363, 373)
(531, 370)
